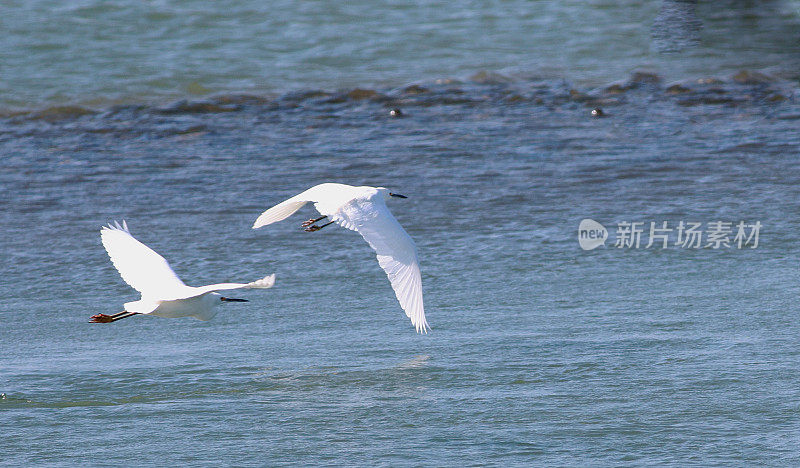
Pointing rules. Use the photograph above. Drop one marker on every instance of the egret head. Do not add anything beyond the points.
(387, 194)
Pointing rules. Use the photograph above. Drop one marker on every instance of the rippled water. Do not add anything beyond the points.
(93, 52)
(541, 353)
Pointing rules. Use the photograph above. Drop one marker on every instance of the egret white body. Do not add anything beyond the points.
(363, 209)
(163, 293)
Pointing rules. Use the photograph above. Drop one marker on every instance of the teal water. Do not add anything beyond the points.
(118, 51)
(541, 353)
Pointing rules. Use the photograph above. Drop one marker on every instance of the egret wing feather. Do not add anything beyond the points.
(324, 196)
(264, 283)
(278, 212)
(396, 252)
(140, 266)
(284, 209)
(407, 284)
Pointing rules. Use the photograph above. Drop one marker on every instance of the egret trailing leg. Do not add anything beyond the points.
(316, 228)
(105, 318)
(312, 221)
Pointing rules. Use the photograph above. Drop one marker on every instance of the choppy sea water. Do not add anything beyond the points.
(540, 352)
(188, 122)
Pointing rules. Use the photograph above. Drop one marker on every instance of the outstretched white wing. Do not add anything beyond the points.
(139, 265)
(397, 253)
(328, 194)
(282, 210)
(264, 283)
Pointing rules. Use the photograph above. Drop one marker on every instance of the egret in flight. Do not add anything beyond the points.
(163, 293)
(363, 209)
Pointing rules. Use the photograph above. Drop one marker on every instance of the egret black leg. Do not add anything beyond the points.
(105, 318)
(316, 228)
(312, 221)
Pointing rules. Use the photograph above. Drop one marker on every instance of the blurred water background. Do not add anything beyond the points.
(98, 52)
(188, 119)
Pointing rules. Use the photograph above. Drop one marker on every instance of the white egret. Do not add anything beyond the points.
(163, 293)
(363, 209)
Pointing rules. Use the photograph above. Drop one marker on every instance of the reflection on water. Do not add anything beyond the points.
(418, 361)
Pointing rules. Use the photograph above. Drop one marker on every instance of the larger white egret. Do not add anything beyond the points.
(363, 209)
(163, 293)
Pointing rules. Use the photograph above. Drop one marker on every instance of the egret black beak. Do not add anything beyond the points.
(397, 195)
(230, 299)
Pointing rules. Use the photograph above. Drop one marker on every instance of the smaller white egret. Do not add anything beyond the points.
(163, 293)
(363, 209)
